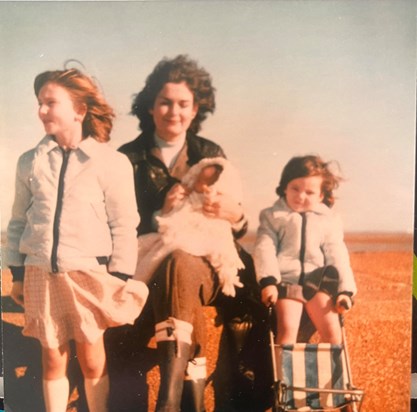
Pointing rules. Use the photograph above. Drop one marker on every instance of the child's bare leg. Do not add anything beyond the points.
(92, 358)
(55, 361)
(288, 320)
(324, 317)
(55, 382)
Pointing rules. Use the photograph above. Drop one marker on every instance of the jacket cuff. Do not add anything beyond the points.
(18, 273)
(240, 228)
(346, 293)
(154, 219)
(268, 281)
(121, 276)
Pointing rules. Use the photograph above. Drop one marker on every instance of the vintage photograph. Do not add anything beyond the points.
(207, 205)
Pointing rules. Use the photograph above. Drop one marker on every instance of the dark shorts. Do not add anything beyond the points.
(324, 279)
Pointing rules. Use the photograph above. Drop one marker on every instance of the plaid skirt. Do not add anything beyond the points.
(78, 305)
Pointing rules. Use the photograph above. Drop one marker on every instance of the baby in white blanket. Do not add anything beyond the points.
(187, 228)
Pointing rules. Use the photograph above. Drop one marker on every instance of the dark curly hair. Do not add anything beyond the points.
(176, 70)
(310, 165)
(98, 121)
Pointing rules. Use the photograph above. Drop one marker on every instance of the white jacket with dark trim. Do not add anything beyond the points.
(278, 243)
(97, 216)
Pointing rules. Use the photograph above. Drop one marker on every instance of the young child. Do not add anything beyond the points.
(72, 236)
(300, 256)
(188, 228)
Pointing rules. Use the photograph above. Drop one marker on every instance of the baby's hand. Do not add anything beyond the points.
(174, 196)
(222, 206)
(269, 295)
(209, 194)
(343, 304)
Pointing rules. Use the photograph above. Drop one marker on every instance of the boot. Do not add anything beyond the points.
(173, 339)
(172, 371)
(194, 386)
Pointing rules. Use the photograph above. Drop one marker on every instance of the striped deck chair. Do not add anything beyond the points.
(314, 377)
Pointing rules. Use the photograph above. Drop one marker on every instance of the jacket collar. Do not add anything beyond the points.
(88, 145)
(47, 144)
(281, 206)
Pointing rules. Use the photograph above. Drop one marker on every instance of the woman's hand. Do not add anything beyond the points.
(269, 295)
(343, 304)
(222, 206)
(17, 293)
(175, 195)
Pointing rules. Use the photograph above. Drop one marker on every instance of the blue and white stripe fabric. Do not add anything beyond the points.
(311, 366)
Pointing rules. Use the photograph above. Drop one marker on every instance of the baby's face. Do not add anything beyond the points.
(207, 177)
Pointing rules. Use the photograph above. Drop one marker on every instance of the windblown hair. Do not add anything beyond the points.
(98, 121)
(176, 70)
(305, 166)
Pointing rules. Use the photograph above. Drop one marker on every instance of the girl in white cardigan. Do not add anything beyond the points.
(72, 236)
(300, 257)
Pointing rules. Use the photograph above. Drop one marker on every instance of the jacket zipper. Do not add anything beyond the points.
(303, 246)
(58, 211)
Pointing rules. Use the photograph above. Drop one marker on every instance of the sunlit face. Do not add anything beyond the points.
(207, 177)
(173, 111)
(304, 193)
(57, 111)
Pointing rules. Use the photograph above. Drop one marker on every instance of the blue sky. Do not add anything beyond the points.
(335, 78)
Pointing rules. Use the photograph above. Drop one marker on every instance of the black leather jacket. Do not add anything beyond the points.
(152, 178)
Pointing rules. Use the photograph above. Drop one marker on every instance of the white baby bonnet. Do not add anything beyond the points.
(229, 180)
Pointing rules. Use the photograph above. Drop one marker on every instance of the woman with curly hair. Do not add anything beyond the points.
(71, 237)
(176, 99)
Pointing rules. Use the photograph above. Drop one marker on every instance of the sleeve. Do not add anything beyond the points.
(123, 218)
(240, 228)
(18, 220)
(336, 254)
(230, 182)
(265, 252)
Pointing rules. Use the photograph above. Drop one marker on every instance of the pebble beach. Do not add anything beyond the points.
(378, 333)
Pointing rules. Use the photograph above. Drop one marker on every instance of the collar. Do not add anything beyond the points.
(162, 144)
(88, 145)
(280, 206)
(47, 144)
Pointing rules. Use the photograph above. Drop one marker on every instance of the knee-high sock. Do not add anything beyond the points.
(97, 393)
(174, 330)
(56, 394)
(196, 369)
(194, 385)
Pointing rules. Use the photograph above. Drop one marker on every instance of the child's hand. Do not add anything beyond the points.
(269, 295)
(17, 293)
(343, 304)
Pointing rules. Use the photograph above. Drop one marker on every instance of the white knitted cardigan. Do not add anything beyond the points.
(187, 228)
